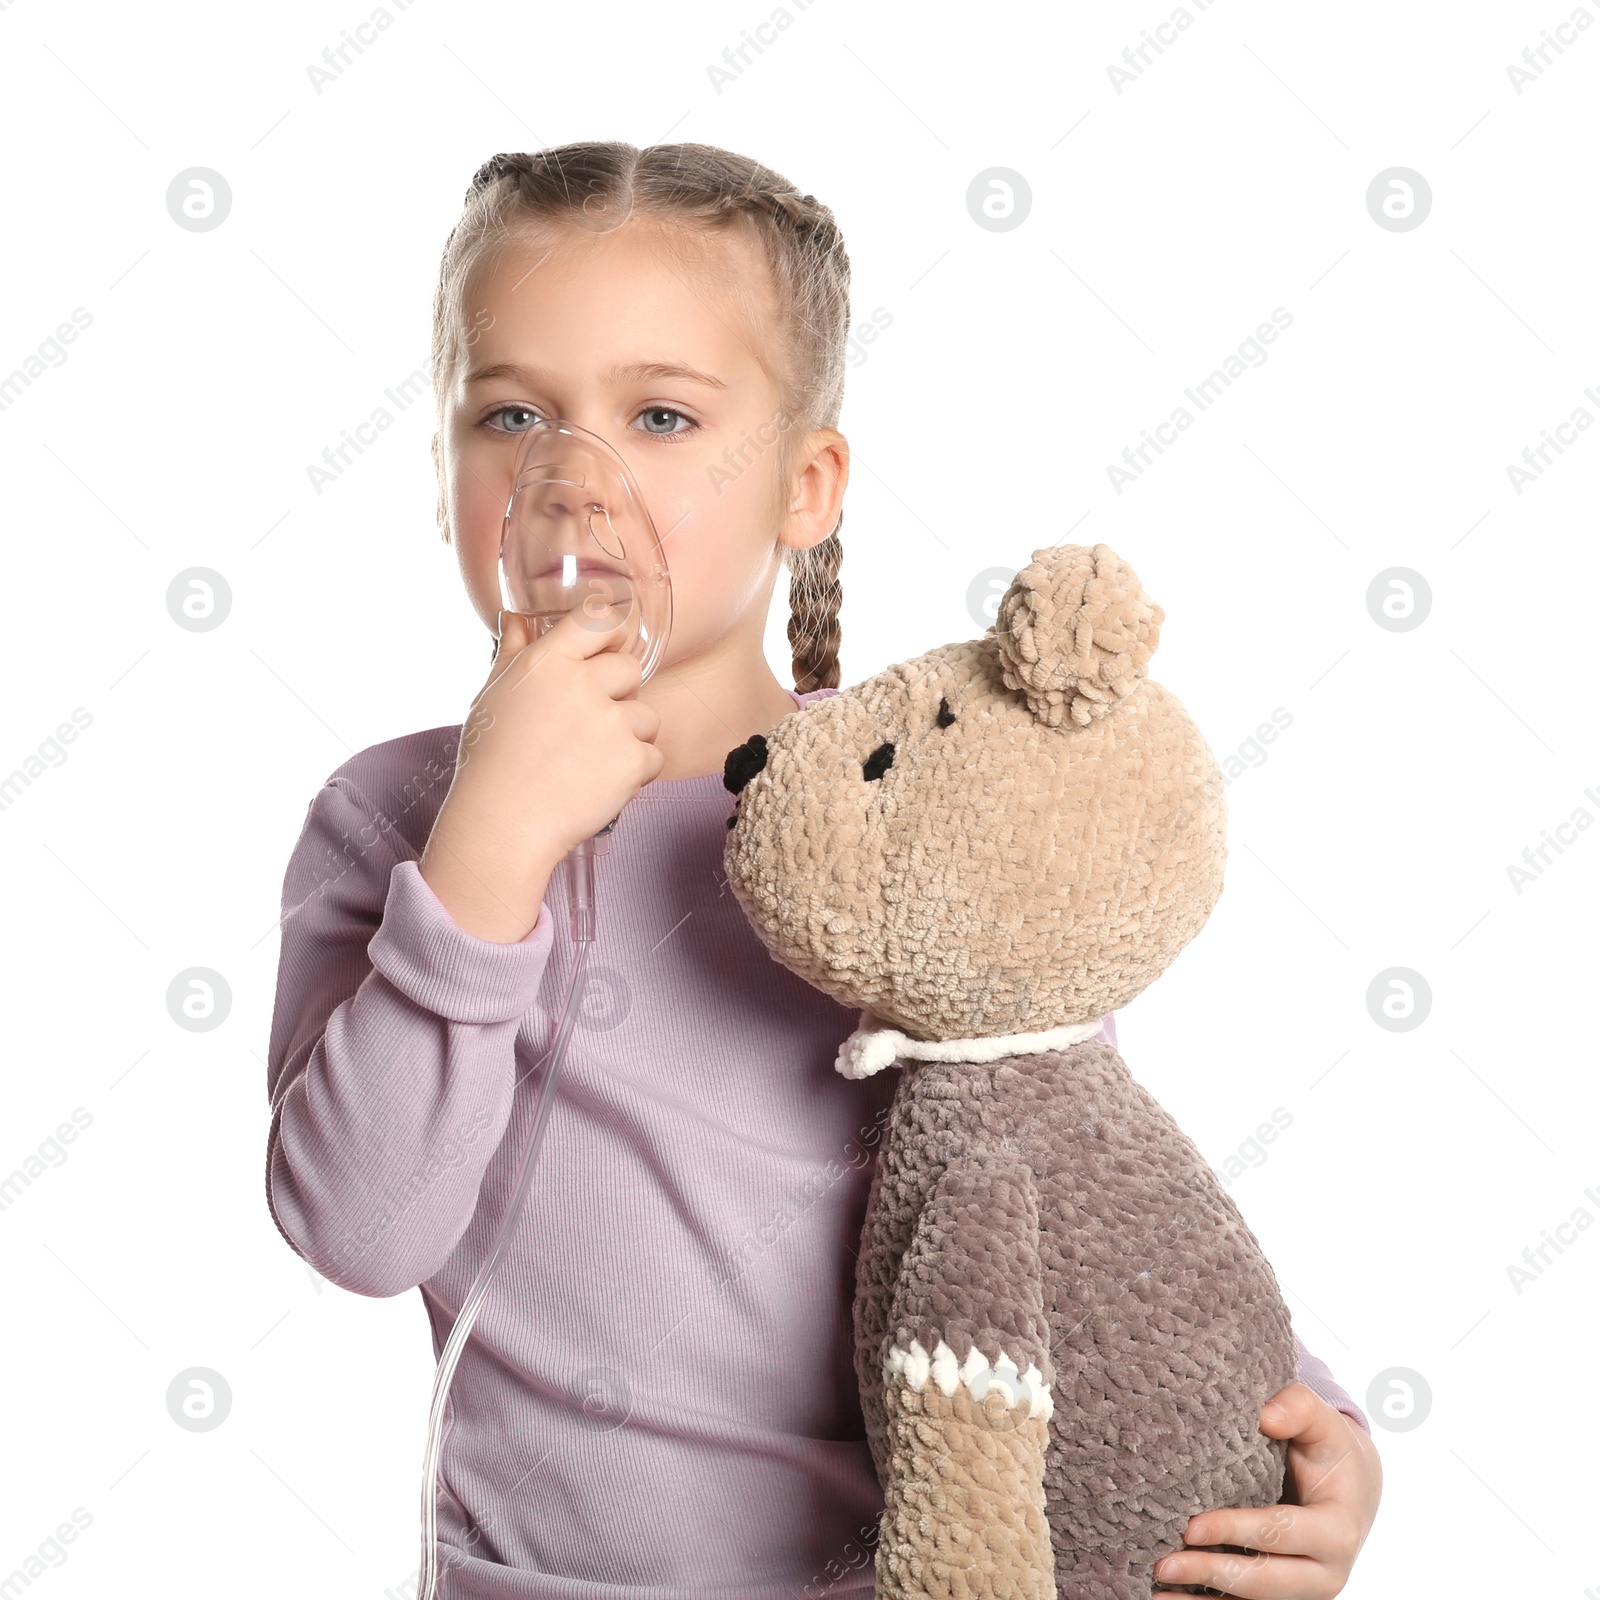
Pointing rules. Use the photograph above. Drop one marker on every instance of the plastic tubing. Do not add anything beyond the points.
(582, 907)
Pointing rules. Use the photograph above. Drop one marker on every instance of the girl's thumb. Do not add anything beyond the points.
(513, 634)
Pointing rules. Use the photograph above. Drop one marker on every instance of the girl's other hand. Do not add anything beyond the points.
(556, 743)
(1304, 1548)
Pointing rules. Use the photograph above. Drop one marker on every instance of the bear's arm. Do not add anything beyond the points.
(966, 1365)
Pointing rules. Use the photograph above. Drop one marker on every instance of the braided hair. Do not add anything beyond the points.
(599, 185)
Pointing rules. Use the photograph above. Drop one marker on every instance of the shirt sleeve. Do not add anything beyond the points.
(1315, 1375)
(392, 1056)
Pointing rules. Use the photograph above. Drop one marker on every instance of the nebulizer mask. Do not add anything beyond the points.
(576, 537)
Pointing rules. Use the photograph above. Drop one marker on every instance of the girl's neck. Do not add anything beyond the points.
(708, 705)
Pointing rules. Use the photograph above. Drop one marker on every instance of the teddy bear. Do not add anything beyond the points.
(1065, 1331)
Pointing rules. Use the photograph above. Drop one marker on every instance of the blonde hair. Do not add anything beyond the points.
(599, 185)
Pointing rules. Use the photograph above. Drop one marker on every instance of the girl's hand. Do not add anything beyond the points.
(1304, 1548)
(556, 743)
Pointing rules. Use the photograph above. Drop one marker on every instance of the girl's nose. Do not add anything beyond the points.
(743, 763)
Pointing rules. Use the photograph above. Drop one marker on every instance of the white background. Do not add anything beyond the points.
(1166, 222)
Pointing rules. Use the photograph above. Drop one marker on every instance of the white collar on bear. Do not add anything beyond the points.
(874, 1045)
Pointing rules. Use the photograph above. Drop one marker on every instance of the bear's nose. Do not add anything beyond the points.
(744, 762)
(878, 762)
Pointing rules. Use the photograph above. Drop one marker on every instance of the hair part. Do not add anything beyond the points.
(520, 198)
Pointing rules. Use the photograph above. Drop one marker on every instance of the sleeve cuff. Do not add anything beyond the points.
(432, 960)
(1318, 1377)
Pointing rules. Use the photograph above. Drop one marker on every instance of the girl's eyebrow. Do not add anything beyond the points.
(621, 374)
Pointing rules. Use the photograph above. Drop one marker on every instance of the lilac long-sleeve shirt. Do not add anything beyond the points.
(659, 1398)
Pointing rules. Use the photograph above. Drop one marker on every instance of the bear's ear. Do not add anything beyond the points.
(1075, 633)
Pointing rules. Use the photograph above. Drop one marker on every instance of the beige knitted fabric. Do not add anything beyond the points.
(1065, 1331)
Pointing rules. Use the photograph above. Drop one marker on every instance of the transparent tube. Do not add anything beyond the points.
(576, 537)
(583, 924)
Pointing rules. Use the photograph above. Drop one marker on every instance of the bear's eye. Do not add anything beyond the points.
(878, 762)
(946, 715)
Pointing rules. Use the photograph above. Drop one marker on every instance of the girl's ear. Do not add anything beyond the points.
(816, 495)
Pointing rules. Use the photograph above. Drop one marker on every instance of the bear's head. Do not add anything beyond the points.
(1008, 834)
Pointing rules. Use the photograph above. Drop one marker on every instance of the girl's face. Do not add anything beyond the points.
(612, 332)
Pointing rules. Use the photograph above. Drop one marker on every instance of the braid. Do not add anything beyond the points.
(814, 596)
(588, 183)
(514, 161)
(815, 593)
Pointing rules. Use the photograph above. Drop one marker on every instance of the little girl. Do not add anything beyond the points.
(658, 1399)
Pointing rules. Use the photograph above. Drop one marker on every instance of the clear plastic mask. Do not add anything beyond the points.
(578, 537)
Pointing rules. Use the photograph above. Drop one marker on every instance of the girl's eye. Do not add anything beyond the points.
(653, 414)
(658, 420)
(521, 411)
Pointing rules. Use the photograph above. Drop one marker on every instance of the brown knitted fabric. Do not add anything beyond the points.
(1046, 1206)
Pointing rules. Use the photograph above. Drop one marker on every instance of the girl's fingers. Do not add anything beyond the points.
(510, 637)
(514, 634)
(1301, 1549)
(1249, 1577)
(1320, 1431)
(1274, 1530)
